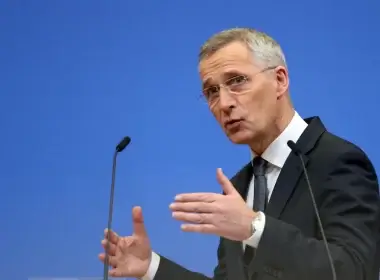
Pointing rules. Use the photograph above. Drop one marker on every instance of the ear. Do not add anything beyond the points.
(282, 81)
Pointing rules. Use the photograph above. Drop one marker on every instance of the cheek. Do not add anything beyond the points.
(256, 105)
(217, 115)
(250, 103)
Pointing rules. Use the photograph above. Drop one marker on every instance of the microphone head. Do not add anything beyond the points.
(294, 147)
(123, 143)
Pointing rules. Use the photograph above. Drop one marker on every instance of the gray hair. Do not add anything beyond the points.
(264, 48)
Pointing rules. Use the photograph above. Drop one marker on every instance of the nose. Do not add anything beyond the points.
(226, 100)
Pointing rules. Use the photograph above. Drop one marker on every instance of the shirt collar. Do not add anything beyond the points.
(278, 151)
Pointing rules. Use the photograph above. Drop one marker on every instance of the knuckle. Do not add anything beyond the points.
(127, 242)
(204, 218)
(199, 219)
(195, 208)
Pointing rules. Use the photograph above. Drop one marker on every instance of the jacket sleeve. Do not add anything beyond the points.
(349, 210)
(169, 270)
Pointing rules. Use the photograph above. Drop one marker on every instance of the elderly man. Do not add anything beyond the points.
(265, 217)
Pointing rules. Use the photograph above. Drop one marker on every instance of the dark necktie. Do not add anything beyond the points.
(260, 197)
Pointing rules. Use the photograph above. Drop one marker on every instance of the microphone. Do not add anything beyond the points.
(297, 151)
(119, 148)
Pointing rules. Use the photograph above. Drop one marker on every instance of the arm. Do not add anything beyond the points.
(349, 210)
(162, 268)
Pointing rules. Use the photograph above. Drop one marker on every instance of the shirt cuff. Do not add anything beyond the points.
(258, 225)
(153, 267)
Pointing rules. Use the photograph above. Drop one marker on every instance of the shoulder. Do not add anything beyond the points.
(331, 148)
(336, 163)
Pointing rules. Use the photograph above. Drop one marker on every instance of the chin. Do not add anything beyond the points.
(240, 137)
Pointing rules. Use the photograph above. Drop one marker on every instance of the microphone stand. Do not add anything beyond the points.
(119, 148)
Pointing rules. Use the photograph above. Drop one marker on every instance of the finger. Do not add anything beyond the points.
(138, 222)
(197, 197)
(112, 261)
(227, 186)
(195, 207)
(115, 272)
(101, 257)
(200, 228)
(197, 218)
(112, 236)
(109, 247)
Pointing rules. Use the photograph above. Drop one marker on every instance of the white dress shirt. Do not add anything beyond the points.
(276, 155)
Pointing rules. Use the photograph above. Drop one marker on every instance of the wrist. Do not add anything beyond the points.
(258, 224)
(256, 218)
(152, 266)
(249, 228)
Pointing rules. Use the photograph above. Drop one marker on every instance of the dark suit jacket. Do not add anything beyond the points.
(347, 194)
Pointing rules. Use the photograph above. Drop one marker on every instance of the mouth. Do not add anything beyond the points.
(232, 124)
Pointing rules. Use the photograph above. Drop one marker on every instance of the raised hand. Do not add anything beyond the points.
(223, 215)
(129, 256)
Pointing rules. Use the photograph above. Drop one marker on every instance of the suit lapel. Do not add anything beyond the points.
(242, 179)
(234, 248)
(285, 185)
(292, 168)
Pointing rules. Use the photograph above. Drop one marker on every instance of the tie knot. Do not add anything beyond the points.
(259, 165)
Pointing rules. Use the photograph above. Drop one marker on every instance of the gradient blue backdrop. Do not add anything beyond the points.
(76, 76)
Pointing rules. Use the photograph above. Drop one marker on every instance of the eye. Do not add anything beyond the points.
(235, 81)
(211, 91)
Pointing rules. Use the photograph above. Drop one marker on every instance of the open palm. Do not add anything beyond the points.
(129, 256)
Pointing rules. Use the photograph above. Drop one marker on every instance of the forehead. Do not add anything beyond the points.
(232, 58)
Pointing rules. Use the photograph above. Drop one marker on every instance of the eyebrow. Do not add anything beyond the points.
(226, 75)
(206, 83)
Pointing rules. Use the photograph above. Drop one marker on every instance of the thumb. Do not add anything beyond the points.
(138, 222)
(227, 186)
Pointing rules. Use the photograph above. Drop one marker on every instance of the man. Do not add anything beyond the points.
(265, 216)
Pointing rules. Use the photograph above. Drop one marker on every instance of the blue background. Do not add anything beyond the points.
(76, 76)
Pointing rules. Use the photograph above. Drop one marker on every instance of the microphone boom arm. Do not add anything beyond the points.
(119, 148)
(295, 149)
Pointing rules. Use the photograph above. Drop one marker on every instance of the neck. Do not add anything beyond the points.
(267, 137)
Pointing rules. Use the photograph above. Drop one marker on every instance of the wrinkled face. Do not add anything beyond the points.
(242, 96)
